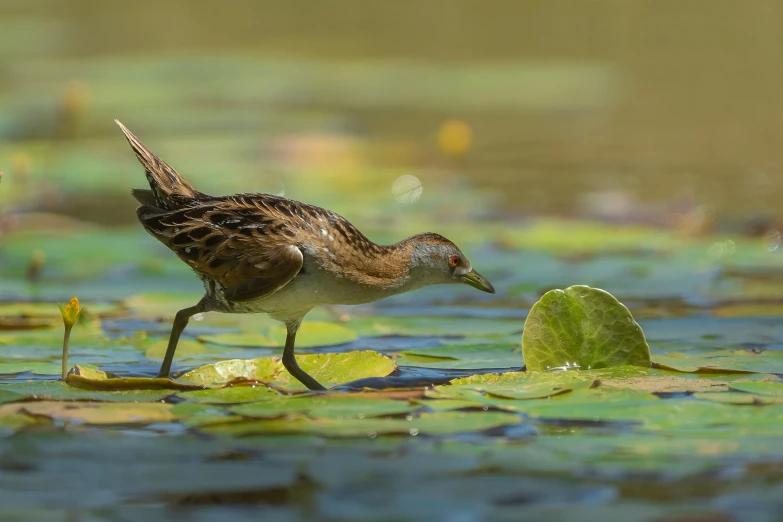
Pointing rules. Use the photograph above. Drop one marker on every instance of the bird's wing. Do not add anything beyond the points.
(250, 252)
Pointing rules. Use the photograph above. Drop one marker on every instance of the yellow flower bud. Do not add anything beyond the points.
(70, 312)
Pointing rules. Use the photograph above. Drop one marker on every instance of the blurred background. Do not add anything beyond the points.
(400, 116)
(628, 145)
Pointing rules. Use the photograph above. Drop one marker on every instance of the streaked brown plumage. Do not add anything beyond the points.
(260, 253)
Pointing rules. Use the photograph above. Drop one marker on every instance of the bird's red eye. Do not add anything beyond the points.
(454, 261)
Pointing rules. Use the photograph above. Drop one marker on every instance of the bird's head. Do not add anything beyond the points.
(436, 260)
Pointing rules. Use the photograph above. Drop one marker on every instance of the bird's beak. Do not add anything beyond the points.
(476, 280)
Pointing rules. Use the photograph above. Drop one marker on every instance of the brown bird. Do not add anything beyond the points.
(260, 253)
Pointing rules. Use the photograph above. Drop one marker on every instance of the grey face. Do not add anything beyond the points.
(462, 272)
(446, 264)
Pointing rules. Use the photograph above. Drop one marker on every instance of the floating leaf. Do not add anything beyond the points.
(433, 326)
(263, 369)
(158, 348)
(738, 398)
(24, 323)
(230, 395)
(584, 327)
(739, 361)
(353, 406)
(439, 423)
(90, 379)
(236, 339)
(532, 391)
(326, 368)
(197, 414)
(40, 368)
(464, 356)
(16, 421)
(447, 404)
(94, 412)
(314, 333)
(9, 395)
(58, 390)
(762, 388)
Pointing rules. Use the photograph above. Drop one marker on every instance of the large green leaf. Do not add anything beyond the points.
(583, 327)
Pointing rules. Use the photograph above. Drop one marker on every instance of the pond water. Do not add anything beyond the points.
(549, 161)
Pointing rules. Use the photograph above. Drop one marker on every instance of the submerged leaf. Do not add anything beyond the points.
(583, 327)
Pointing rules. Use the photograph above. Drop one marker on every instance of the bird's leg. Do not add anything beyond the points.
(289, 361)
(180, 322)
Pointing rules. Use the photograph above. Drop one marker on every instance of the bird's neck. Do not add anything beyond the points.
(385, 270)
(401, 267)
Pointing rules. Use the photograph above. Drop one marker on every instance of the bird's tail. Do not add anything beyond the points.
(169, 190)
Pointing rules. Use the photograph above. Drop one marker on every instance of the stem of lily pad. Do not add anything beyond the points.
(66, 340)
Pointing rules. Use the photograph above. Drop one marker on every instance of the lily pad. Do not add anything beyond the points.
(464, 356)
(37, 367)
(349, 407)
(314, 334)
(532, 391)
(93, 412)
(311, 334)
(58, 390)
(199, 414)
(236, 339)
(447, 404)
(158, 348)
(433, 326)
(584, 327)
(774, 389)
(737, 361)
(9, 396)
(91, 379)
(326, 368)
(230, 395)
(438, 423)
(262, 369)
(738, 398)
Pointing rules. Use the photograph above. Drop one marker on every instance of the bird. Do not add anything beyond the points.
(263, 253)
